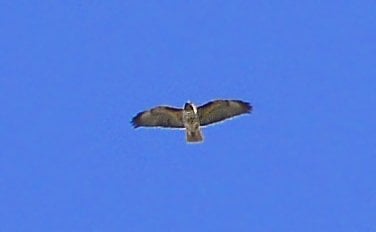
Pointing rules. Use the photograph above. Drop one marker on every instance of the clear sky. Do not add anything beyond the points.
(74, 73)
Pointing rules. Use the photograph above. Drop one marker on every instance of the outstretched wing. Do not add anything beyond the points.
(216, 111)
(161, 116)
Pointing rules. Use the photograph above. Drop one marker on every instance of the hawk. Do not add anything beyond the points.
(191, 118)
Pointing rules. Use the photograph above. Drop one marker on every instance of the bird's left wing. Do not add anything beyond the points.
(218, 110)
(161, 116)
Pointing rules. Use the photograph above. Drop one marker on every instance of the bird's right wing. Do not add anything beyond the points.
(161, 116)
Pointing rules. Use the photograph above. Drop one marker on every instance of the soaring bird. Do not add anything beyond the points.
(191, 118)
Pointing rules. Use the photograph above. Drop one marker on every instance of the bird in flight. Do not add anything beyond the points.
(191, 118)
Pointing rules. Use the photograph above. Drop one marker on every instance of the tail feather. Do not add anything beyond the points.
(194, 136)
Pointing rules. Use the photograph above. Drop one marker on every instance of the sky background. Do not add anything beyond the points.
(74, 73)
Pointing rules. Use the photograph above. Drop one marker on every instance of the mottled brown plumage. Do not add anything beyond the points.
(161, 116)
(191, 117)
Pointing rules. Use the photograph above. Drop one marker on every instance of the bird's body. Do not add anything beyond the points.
(191, 118)
(191, 123)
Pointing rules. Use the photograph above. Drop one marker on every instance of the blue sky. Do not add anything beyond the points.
(73, 74)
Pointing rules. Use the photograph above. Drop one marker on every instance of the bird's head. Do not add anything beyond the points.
(190, 106)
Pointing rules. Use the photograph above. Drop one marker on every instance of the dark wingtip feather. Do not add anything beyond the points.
(134, 124)
(248, 106)
(135, 120)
